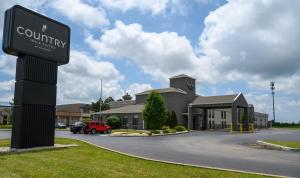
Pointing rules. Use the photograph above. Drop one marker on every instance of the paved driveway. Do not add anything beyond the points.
(206, 148)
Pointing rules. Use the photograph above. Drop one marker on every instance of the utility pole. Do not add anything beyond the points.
(272, 86)
(100, 100)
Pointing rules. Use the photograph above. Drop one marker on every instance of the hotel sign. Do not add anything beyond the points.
(27, 32)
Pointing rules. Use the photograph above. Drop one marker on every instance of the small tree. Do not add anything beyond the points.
(171, 120)
(127, 97)
(241, 120)
(109, 99)
(155, 112)
(114, 122)
(96, 106)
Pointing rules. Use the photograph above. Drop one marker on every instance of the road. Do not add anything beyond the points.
(206, 148)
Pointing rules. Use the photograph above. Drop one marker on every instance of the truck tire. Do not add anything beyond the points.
(93, 131)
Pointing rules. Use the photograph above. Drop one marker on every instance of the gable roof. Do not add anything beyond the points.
(221, 99)
(137, 108)
(182, 76)
(163, 90)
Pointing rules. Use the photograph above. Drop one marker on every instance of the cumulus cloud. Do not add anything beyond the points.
(8, 64)
(137, 88)
(153, 6)
(7, 85)
(82, 13)
(160, 55)
(79, 81)
(254, 38)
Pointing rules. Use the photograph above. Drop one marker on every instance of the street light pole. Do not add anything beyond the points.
(272, 86)
(100, 99)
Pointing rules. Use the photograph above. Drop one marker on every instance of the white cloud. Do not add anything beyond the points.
(79, 81)
(256, 41)
(295, 103)
(81, 13)
(7, 85)
(160, 55)
(285, 109)
(153, 6)
(8, 64)
(137, 88)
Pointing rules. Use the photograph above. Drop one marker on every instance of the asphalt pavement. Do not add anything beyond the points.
(206, 148)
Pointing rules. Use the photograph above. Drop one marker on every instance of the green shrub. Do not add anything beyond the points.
(169, 131)
(155, 132)
(180, 128)
(114, 122)
(165, 127)
(86, 120)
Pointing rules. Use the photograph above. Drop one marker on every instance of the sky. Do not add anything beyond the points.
(134, 45)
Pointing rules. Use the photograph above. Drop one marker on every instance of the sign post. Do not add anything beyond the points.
(41, 44)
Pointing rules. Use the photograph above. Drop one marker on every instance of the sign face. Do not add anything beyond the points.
(27, 32)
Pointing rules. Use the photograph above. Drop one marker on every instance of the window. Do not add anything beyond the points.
(213, 113)
(224, 114)
(213, 124)
(135, 121)
(209, 115)
(124, 122)
(209, 125)
(222, 117)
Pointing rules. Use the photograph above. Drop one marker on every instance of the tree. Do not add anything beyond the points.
(155, 112)
(109, 99)
(127, 97)
(10, 115)
(173, 120)
(114, 122)
(96, 106)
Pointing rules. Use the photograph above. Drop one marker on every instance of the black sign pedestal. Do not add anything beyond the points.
(35, 100)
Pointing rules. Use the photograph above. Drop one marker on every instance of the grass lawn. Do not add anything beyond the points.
(291, 144)
(90, 161)
(129, 131)
(5, 126)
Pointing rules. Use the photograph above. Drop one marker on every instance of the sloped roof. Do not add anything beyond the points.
(75, 107)
(221, 99)
(163, 90)
(181, 76)
(117, 104)
(137, 108)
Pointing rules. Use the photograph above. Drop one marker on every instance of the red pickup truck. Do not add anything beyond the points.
(94, 127)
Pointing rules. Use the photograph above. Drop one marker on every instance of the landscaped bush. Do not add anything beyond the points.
(165, 127)
(155, 131)
(180, 128)
(169, 131)
(114, 122)
(86, 120)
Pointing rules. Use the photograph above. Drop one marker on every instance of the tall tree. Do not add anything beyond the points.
(96, 106)
(109, 99)
(127, 97)
(155, 112)
(173, 120)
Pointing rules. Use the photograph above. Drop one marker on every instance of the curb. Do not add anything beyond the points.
(153, 135)
(274, 146)
(182, 164)
(8, 150)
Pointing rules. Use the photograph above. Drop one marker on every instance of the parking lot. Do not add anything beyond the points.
(206, 148)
